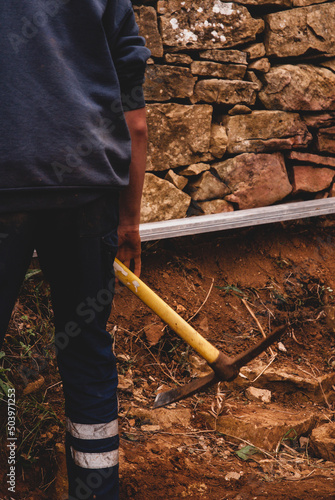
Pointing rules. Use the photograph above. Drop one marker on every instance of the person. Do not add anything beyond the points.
(72, 161)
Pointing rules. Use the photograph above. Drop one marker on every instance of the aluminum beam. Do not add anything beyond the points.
(240, 218)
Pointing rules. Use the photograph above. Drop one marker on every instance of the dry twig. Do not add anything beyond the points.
(50, 387)
(258, 324)
(295, 338)
(264, 369)
(320, 384)
(168, 373)
(204, 302)
(300, 478)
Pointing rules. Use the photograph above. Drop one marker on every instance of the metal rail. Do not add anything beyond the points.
(240, 218)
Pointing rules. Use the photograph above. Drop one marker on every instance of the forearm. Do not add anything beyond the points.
(130, 197)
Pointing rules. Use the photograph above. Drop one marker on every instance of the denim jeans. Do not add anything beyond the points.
(76, 248)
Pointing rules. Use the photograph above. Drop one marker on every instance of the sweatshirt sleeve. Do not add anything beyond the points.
(128, 52)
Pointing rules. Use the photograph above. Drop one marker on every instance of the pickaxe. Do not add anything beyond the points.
(224, 367)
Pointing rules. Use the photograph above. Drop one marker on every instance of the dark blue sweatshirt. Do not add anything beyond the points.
(68, 70)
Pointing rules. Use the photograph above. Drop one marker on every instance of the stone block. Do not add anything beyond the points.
(305, 3)
(283, 3)
(326, 140)
(261, 65)
(264, 131)
(162, 200)
(229, 92)
(206, 25)
(252, 77)
(179, 135)
(163, 83)
(146, 18)
(296, 32)
(255, 51)
(180, 59)
(299, 88)
(255, 180)
(225, 56)
(177, 180)
(311, 179)
(207, 187)
(330, 64)
(317, 160)
(319, 120)
(195, 169)
(215, 207)
(219, 140)
(218, 70)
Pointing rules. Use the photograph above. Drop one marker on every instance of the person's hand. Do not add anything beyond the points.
(129, 252)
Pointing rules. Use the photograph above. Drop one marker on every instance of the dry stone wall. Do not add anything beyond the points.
(241, 104)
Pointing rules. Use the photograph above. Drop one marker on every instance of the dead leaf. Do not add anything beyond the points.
(154, 332)
(34, 386)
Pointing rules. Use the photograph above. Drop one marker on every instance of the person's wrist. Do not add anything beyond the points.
(129, 227)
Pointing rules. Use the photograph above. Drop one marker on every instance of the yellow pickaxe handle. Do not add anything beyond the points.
(168, 315)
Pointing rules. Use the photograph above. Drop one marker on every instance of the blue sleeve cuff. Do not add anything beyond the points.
(132, 98)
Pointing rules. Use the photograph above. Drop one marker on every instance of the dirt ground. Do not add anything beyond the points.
(222, 283)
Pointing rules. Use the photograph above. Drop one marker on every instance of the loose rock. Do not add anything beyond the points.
(266, 427)
(288, 380)
(322, 441)
(255, 394)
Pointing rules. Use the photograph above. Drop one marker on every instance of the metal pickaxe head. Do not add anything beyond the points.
(224, 367)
